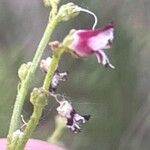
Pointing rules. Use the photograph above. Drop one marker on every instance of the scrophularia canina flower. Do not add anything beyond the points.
(88, 42)
(74, 120)
(57, 77)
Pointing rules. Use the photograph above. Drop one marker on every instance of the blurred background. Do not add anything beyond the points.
(118, 100)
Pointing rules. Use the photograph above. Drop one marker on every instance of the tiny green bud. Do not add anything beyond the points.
(39, 97)
(48, 3)
(23, 71)
(67, 12)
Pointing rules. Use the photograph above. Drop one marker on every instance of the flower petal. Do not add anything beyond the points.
(79, 44)
(74, 120)
(57, 77)
(65, 109)
(85, 42)
(102, 40)
(103, 59)
(45, 63)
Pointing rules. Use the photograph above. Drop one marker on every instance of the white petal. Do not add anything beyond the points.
(101, 40)
(103, 59)
(78, 117)
(65, 109)
(45, 63)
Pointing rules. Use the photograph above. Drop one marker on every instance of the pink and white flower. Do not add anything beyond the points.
(74, 120)
(88, 42)
(57, 77)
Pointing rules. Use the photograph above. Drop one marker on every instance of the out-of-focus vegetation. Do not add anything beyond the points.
(118, 100)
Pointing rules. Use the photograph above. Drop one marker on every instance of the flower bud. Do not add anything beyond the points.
(48, 3)
(39, 97)
(23, 70)
(67, 12)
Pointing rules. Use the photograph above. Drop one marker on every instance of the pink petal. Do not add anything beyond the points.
(80, 45)
(85, 42)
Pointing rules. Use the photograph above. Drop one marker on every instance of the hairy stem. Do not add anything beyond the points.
(25, 84)
(60, 124)
(38, 110)
(30, 127)
(15, 120)
(53, 67)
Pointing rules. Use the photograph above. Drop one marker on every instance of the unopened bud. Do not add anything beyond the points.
(23, 70)
(39, 97)
(48, 3)
(68, 11)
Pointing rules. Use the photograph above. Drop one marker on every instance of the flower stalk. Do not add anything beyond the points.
(60, 124)
(25, 84)
(39, 100)
(81, 43)
(53, 66)
(22, 92)
(68, 12)
(37, 112)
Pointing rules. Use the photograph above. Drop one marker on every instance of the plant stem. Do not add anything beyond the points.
(30, 127)
(57, 134)
(53, 66)
(26, 84)
(60, 124)
(37, 112)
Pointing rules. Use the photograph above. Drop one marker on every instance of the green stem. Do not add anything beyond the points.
(54, 10)
(53, 66)
(57, 134)
(60, 124)
(13, 143)
(26, 84)
(37, 112)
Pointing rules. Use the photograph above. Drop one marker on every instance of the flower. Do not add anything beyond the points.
(74, 120)
(23, 70)
(57, 77)
(88, 42)
(45, 63)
